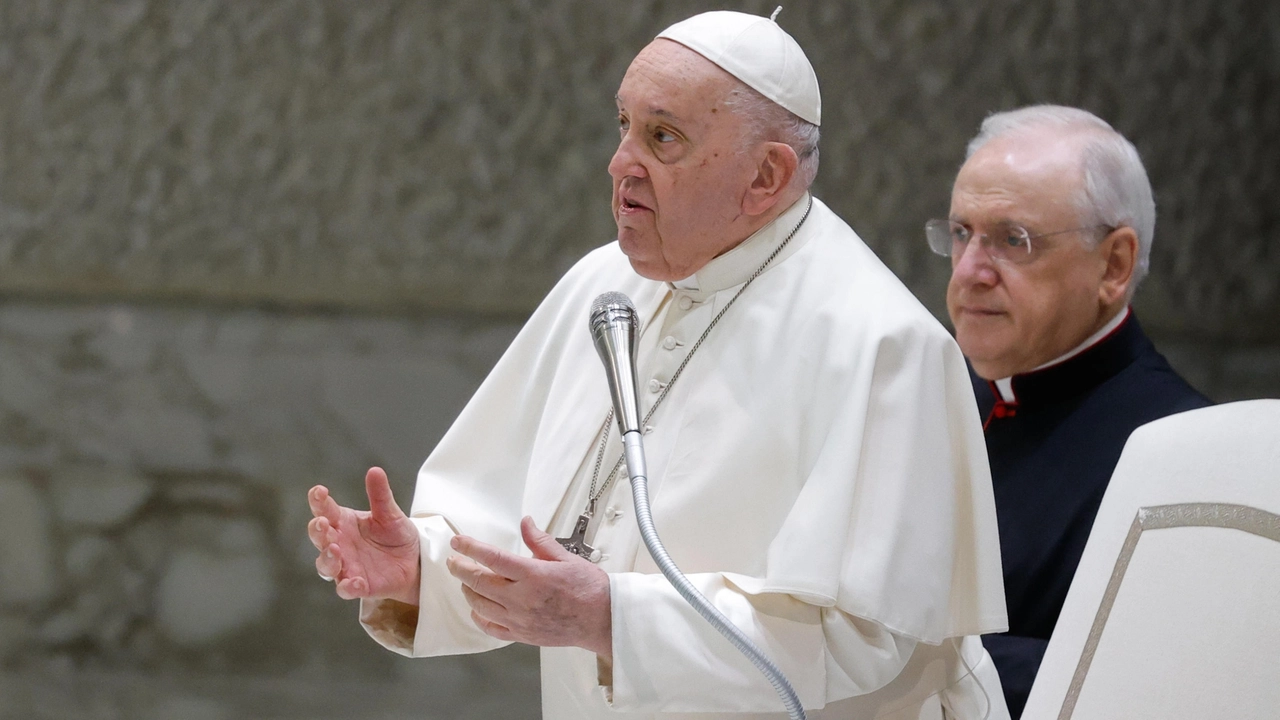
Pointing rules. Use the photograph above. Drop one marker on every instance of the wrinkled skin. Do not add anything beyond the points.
(369, 554)
(555, 598)
(686, 188)
(1012, 318)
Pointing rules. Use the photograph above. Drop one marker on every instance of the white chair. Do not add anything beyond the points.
(1174, 611)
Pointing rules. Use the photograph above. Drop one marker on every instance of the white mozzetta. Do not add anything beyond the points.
(818, 470)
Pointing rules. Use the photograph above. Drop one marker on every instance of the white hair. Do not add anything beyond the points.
(766, 120)
(1116, 191)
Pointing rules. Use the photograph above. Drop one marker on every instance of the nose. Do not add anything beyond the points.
(974, 266)
(626, 160)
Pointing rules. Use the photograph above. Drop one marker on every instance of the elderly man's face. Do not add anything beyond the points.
(1012, 318)
(679, 173)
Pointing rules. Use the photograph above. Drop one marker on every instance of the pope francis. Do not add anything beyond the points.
(816, 462)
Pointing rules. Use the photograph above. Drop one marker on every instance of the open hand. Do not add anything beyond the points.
(369, 554)
(553, 599)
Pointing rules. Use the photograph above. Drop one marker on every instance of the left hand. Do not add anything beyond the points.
(553, 599)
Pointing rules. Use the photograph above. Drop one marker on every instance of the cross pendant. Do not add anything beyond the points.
(576, 543)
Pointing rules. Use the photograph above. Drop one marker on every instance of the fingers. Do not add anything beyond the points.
(381, 502)
(477, 577)
(483, 606)
(504, 564)
(492, 628)
(353, 588)
(321, 533)
(322, 504)
(329, 563)
(543, 545)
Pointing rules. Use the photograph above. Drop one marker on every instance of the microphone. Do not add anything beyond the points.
(614, 327)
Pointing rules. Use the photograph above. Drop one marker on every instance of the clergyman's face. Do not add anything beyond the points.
(680, 173)
(1012, 318)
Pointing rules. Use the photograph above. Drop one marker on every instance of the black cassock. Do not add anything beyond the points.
(1052, 453)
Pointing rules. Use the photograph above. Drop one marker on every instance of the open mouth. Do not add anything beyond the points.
(627, 203)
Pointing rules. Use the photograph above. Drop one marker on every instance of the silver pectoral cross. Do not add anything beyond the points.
(576, 542)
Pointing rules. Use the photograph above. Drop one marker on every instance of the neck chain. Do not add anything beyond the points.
(576, 543)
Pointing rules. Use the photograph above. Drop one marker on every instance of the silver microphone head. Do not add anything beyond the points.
(614, 326)
(609, 307)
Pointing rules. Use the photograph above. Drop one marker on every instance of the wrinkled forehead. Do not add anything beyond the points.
(668, 69)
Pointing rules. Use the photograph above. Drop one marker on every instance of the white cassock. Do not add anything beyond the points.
(818, 471)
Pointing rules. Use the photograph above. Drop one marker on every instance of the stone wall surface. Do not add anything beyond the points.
(451, 155)
(246, 247)
(153, 470)
(154, 465)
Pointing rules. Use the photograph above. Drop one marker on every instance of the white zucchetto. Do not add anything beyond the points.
(756, 51)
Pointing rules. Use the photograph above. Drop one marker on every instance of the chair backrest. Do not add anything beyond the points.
(1174, 611)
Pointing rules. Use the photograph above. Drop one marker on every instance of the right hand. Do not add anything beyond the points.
(369, 554)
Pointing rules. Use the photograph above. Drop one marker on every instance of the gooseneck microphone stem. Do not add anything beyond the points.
(614, 327)
(686, 589)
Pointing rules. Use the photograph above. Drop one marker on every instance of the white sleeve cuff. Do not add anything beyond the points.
(443, 618)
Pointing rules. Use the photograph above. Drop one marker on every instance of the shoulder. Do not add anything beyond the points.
(851, 283)
(851, 315)
(1148, 389)
(604, 269)
(1153, 377)
(564, 309)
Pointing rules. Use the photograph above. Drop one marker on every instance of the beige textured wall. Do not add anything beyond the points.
(450, 155)
(250, 246)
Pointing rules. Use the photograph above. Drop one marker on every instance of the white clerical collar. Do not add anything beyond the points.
(1005, 385)
(734, 267)
(689, 283)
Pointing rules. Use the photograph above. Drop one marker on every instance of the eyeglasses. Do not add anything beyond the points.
(1004, 243)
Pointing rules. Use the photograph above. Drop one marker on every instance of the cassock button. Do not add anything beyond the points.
(686, 302)
(654, 385)
(669, 343)
(613, 513)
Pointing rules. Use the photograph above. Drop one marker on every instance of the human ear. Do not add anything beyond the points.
(774, 172)
(1120, 253)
